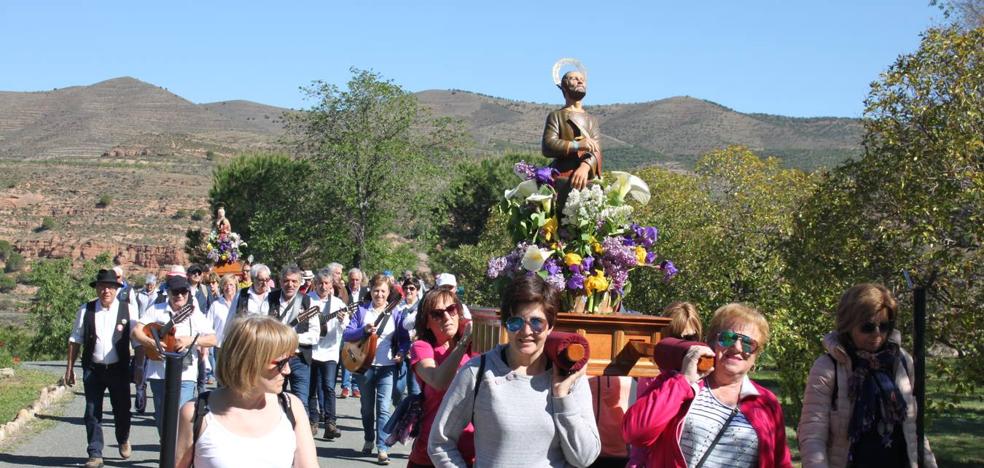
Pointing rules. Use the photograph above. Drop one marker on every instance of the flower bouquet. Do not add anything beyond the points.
(587, 250)
(224, 247)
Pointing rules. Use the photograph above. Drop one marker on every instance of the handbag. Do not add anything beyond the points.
(404, 424)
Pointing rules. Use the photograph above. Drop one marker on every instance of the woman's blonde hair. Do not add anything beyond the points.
(860, 304)
(730, 314)
(683, 315)
(228, 278)
(252, 344)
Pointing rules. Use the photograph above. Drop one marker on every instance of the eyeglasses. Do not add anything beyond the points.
(690, 337)
(870, 327)
(279, 365)
(438, 314)
(727, 339)
(410, 288)
(180, 292)
(515, 323)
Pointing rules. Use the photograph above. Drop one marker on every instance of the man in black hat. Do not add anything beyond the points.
(185, 331)
(102, 329)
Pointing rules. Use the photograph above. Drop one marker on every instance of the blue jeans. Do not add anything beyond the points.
(323, 375)
(348, 383)
(404, 381)
(377, 392)
(157, 387)
(95, 382)
(299, 379)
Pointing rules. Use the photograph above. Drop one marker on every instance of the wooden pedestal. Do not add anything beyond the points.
(235, 268)
(621, 344)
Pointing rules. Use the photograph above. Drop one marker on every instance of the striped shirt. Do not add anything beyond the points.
(738, 446)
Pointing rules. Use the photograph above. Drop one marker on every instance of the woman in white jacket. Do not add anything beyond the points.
(858, 408)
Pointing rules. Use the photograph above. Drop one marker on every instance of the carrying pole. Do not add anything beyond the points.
(172, 393)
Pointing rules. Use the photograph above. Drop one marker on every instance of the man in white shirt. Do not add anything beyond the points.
(324, 366)
(145, 298)
(102, 329)
(286, 305)
(185, 331)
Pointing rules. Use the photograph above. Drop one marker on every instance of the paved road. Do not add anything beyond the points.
(64, 443)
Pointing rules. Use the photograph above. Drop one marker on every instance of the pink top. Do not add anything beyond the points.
(419, 351)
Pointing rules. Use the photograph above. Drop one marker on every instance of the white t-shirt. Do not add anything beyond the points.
(385, 342)
(329, 345)
(196, 324)
(218, 314)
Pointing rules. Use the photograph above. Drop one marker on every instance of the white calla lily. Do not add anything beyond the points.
(544, 200)
(535, 257)
(523, 190)
(628, 184)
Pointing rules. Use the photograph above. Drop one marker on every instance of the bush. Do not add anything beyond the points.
(181, 214)
(7, 283)
(199, 214)
(62, 289)
(5, 249)
(104, 200)
(15, 262)
(210, 155)
(47, 223)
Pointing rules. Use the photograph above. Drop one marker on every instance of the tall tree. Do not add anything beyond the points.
(376, 152)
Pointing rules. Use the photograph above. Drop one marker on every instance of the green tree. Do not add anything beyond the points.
(14, 263)
(376, 152)
(271, 200)
(61, 291)
(915, 200)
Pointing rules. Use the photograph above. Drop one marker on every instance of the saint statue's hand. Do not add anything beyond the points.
(591, 145)
(580, 177)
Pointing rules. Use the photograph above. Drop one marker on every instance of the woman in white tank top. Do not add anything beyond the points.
(246, 424)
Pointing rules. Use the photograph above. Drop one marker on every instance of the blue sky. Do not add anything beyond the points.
(798, 58)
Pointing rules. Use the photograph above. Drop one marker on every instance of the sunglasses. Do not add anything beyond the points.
(537, 324)
(870, 327)
(727, 339)
(410, 288)
(279, 365)
(180, 292)
(438, 314)
(690, 337)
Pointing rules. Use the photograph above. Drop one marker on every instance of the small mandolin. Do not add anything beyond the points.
(164, 333)
(357, 356)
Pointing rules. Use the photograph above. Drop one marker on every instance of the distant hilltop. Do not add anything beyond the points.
(126, 115)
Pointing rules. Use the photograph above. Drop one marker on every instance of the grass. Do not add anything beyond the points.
(954, 434)
(21, 390)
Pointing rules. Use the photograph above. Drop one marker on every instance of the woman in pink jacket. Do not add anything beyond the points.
(721, 419)
(858, 408)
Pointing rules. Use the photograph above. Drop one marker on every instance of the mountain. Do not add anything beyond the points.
(673, 130)
(151, 153)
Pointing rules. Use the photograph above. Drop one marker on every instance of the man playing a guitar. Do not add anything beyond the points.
(293, 309)
(324, 366)
(379, 368)
(101, 328)
(178, 315)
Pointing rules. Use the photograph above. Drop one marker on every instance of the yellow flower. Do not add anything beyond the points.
(640, 253)
(596, 283)
(549, 228)
(597, 248)
(572, 259)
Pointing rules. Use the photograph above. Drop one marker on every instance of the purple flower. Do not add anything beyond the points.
(545, 175)
(496, 266)
(556, 281)
(524, 170)
(669, 270)
(576, 281)
(650, 257)
(645, 235)
(552, 267)
(587, 262)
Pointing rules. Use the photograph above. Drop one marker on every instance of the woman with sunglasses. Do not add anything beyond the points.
(722, 418)
(405, 381)
(525, 412)
(245, 422)
(858, 408)
(440, 350)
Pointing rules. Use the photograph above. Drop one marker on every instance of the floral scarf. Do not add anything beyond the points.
(878, 403)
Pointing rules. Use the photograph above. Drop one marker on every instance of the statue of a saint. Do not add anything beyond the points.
(572, 137)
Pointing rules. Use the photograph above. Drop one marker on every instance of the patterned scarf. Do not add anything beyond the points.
(878, 403)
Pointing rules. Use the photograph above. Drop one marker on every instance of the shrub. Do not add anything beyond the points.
(181, 214)
(15, 262)
(210, 155)
(199, 214)
(47, 223)
(104, 200)
(7, 283)
(62, 289)
(5, 249)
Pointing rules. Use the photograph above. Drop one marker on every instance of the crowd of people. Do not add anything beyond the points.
(274, 349)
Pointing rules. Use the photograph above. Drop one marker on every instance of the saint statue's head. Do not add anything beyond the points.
(574, 85)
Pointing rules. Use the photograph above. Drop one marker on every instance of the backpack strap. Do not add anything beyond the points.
(201, 408)
(285, 405)
(833, 394)
(478, 384)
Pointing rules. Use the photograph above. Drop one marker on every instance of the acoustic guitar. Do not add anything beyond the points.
(164, 333)
(357, 356)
